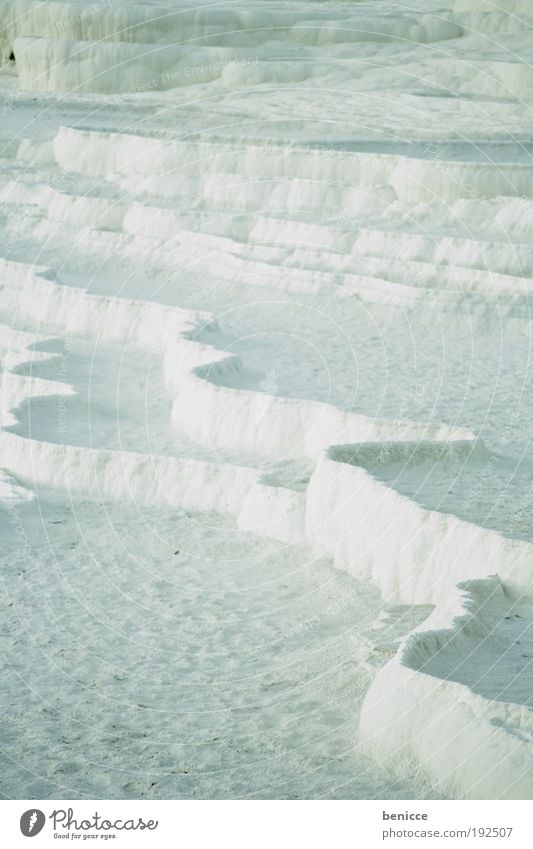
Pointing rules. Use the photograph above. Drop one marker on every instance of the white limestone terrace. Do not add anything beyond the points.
(266, 399)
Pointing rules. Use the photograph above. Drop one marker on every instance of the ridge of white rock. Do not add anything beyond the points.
(437, 710)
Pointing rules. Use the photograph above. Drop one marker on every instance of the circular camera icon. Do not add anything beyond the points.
(32, 822)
